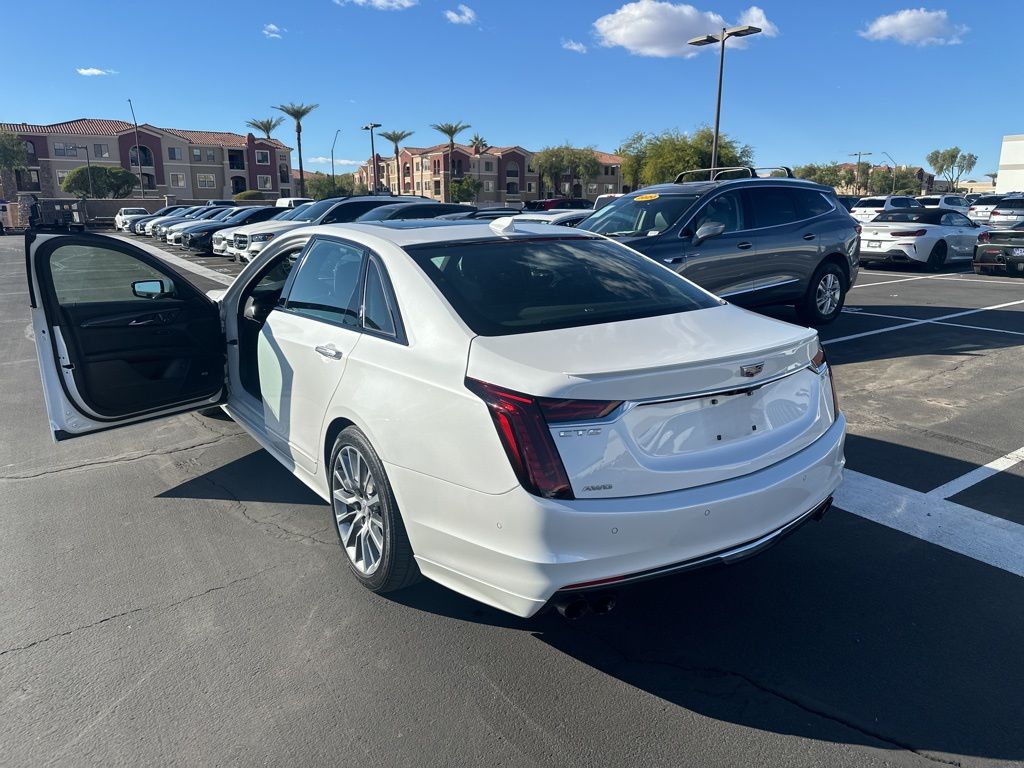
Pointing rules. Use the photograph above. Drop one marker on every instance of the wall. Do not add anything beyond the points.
(1011, 165)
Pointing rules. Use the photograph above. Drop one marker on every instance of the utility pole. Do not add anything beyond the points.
(893, 171)
(334, 183)
(724, 35)
(88, 166)
(859, 155)
(373, 154)
(138, 150)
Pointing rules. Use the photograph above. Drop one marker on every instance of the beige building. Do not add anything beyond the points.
(188, 164)
(505, 174)
(1011, 165)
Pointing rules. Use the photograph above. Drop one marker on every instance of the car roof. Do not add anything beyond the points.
(425, 231)
(702, 187)
(924, 215)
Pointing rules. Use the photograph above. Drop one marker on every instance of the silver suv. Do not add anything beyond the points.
(754, 241)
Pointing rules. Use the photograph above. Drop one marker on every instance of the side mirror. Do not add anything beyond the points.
(707, 231)
(152, 289)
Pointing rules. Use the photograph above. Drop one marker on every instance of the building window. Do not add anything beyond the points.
(529, 186)
(512, 170)
(437, 187)
(488, 166)
(206, 181)
(285, 192)
(418, 186)
(197, 155)
(174, 153)
(529, 167)
(27, 180)
(236, 160)
(60, 149)
(30, 149)
(488, 186)
(406, 170)
(609, 187)
(211, 156)
(178, 180)
(61, 175)
(100, 150)
(282, 173)
(134, 152)
(512, 188)
(262, 157)
(591, 189)
(264, 181)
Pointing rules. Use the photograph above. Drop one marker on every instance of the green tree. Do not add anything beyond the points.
(298, 112)
(13, 154)
(634, 154)
(880, 182)
(992, 176)
(77, 182)
(465, 189)
(396, 138)
(479, 145)
(450, 130)
(550, 164)
(583, 166)
(829, 174)
(120, 182)
(266, 125)
(951, 164)
(321, 186)
(671, 152)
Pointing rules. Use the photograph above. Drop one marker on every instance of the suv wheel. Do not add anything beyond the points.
(366, 516)
(825, 296)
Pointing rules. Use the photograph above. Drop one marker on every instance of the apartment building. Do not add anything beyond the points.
(189, 164)
(505, 174)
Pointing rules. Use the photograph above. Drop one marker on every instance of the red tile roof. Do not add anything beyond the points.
(91, 127)
(606, 158)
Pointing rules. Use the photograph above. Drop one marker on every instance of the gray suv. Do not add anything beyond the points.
(754, 241)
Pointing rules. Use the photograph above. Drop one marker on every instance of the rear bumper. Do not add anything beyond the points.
(895, 253)
(515, 551)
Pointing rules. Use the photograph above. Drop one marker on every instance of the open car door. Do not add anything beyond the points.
(120, 336)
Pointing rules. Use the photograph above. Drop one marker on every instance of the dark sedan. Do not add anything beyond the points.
(423, 210)
(1000, 251)
(199, 238)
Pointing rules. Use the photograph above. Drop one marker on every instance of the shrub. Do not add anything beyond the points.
(249, 194)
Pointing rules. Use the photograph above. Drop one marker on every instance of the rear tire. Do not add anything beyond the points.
(937, 258)
(825, 296)
(366, 516)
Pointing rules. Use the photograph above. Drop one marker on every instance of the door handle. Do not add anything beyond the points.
(149, 321)
(674, 260)
(744, 246)
(331, 352)
(809, 236)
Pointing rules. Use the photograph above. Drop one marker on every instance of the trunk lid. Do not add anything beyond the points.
(689, 414)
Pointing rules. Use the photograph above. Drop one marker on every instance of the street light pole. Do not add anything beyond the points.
(724, 35)
(373, 153)
(88, 166)
(859, 155)
(138, 151)
(333, 182)
(893, 171)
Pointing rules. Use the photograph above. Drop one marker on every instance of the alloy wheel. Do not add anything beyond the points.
(827, 294)
(357, 510)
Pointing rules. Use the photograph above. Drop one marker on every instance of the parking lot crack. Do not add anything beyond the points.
(154, 608)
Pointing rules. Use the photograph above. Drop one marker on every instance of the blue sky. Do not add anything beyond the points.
(823, 81)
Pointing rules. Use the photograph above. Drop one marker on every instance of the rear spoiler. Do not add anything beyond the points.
(749, 170)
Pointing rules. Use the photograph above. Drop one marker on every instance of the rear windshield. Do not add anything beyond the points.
(504, 287)
(988, 199)
(928, 200)
(904, 216)
(870, 202)
(1015, 202)
(644, 214)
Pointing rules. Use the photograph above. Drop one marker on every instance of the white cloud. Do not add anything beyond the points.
(380, 5)
(661, 29)
(321, 160)
(915, 26)
(273, 31)
(93, 72)
(572, 45)
(462, 15)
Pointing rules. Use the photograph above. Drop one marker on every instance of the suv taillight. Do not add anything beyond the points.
(984, 237)
(522, 425)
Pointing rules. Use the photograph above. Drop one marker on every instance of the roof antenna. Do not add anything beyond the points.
(505, 225)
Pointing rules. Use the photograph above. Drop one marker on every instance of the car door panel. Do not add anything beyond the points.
(109, 355)
(721, 264)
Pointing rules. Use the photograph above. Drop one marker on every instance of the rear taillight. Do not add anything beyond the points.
(525, 436)
(858, 228)
(576, 410)
(909, 233)
(879, 210)
(984, 237)
(820, 363)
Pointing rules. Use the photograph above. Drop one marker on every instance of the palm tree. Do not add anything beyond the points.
(396, 138)
(296, 112)
(479, 145)
(266, 126)
(451, 130)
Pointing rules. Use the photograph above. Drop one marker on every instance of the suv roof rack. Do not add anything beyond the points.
(751, 171)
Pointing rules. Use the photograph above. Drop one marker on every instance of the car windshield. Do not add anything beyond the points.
(644, 214)
(133, 211)
(504, 287)
(315, 210)
(290, 213)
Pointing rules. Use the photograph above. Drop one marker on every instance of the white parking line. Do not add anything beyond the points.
(982, 280)
(975, 476)
(913, 323)
(177, 261)
(856, 311)
(986, 538)
(901, 280)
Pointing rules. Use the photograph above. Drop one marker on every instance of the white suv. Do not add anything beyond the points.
(867, 208)
(956, 203)
(520, 412)
(126, 216)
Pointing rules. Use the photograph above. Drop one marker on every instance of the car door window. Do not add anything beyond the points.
(725, 209)
(947, 220)
(378, 312)
(810, 203)
(326, 283)
(772, 206)
(84, 274)
(960, 220)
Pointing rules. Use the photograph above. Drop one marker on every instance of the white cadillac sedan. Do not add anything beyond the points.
(517, 412)
(930, 236)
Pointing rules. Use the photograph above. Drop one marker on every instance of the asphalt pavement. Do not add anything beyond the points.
(172, 596)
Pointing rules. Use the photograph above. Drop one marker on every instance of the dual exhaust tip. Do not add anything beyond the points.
(574, 607)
